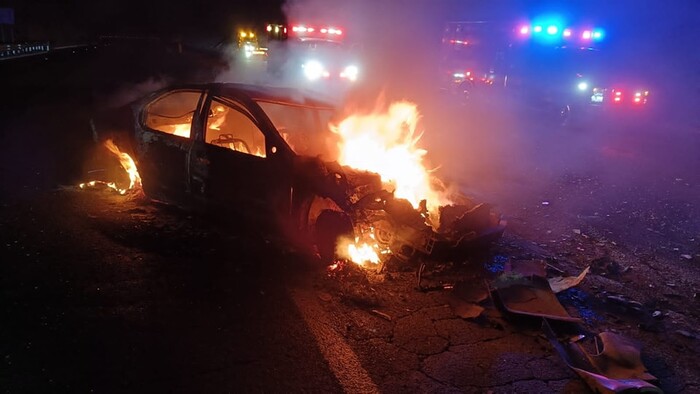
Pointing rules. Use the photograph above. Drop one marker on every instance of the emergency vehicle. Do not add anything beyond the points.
(312, 54)
(249, 43)
(546, 64)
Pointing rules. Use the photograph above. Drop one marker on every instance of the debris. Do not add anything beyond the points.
(464, 300)
(624, 302)
(559, 284)
(474, 219)
(530, 296)
(466, 310)
(656, 314)
(577, 231)
(381, 314)
(687, 256)
(545, 203)
(617, 367)
(584, 304)
(467, 291)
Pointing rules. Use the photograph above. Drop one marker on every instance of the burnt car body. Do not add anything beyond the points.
(265, 153)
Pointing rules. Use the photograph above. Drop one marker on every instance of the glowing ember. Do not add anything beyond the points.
(129, 166)
(386, 143)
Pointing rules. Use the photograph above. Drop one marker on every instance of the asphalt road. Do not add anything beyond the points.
(102, 292)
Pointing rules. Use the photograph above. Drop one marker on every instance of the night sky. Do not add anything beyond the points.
(647, 28)
(84, 18)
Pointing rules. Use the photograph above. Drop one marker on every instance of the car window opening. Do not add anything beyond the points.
(231, 129)
(304, 128)
(173, 113)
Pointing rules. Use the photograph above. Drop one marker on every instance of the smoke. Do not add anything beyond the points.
(128, 93)
(397, 44)
(509, 150)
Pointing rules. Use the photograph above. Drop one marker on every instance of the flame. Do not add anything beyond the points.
(364, 250)
(362, 253)
(127, 163)
(386, 143)
(181, 130)
(129, 166)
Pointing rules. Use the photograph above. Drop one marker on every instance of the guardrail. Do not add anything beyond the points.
(23, 49)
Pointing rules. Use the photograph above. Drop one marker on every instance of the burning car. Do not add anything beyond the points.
(284, 161)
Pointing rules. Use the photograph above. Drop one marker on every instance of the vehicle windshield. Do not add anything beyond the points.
(304, 128)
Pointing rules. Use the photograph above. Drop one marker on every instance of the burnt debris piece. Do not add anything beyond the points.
(615, 364)
(615, 367)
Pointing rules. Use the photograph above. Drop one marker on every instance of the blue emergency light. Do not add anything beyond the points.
(553, 29)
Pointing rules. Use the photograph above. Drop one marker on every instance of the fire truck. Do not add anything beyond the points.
(312, 54)
(559, 69)
(250, 44)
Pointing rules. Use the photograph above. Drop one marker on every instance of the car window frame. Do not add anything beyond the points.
(235, 105)
(163, 94)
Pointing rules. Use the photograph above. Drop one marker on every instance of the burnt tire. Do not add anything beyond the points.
(330, 227)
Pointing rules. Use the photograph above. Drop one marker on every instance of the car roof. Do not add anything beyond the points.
(274, 94)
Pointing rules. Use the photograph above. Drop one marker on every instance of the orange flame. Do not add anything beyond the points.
(127, 163)
(386, 143)
(129, 166)
(363, 253)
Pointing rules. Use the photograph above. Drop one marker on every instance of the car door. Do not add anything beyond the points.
(164, 138)
(235, 165)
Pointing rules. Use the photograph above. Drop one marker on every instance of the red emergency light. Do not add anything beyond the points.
(311, 29)
(617, 96)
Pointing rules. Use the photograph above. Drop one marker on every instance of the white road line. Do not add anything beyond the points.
(342, 360)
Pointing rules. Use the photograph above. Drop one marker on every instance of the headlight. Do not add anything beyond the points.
(314, 70)
(350, 72)
(582, 86)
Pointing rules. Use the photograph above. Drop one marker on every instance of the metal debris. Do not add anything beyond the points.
(615, 368)
(381, 314)
(559, 284)
(530, 296)
(465, 297)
